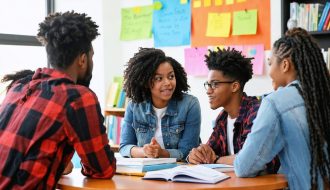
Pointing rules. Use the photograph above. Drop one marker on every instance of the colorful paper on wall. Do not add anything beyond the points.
(218, 24)
(240, 1)
(197, 3)
(195, 61)
(256, 52)
(171, 24)
(229, 2)
(218, 2)
(136, 23)
(237, 47)
(183, 1)
(245, 22)
(207, 3)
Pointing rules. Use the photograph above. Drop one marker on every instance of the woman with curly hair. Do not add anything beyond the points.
(294, 121)
(161, 120)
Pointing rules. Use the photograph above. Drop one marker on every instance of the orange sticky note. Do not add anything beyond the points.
(207, 3)
(218, 2)
(197, 3)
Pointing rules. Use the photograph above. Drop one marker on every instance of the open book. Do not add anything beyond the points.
(186, 173)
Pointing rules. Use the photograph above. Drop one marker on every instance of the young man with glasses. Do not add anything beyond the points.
(229, 70)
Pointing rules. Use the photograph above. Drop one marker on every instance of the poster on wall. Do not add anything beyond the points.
(258, 22)
(171, 23)
(136, 23)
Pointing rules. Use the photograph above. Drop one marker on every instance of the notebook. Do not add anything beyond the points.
(187, 173)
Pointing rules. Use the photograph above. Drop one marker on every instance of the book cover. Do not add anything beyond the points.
(140, 170)
(323, 17)
(187, 173)
(143, 161)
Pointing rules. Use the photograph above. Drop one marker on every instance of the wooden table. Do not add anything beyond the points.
(76, 180)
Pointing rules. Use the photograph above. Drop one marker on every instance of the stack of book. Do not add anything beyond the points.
(138, 166)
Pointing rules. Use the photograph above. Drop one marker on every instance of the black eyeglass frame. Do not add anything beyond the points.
(214, 84)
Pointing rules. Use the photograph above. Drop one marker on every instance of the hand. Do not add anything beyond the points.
(152, 150)
(202, 155)
(68, 169)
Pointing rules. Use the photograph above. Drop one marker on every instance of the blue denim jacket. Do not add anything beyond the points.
(180, 126)
(280, 128)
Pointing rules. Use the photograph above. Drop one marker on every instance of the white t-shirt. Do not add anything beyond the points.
(158, 134)
(230, 134)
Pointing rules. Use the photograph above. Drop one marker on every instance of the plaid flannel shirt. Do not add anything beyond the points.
(42, 121)
(242, 127)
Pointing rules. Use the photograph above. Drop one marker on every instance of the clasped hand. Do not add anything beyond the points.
(152, 150)
(202, 155)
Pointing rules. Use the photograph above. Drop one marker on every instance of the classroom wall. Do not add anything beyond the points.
(111, 54)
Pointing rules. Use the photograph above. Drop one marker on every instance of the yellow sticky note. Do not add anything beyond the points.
(218, 24)
(245, 22)
(158, 5)
(136, 10)
(197, 3)
(240, 1)
(207, 3)
(229, 2)
(218, 2)
(183, 1)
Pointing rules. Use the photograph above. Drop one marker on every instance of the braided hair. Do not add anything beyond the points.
(299, 47)
(23, 77)
(141, 69)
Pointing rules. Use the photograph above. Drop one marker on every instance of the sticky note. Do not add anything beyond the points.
(197, 4)
(218, 24)
(183, 1)
(207, 3)
(218, 2)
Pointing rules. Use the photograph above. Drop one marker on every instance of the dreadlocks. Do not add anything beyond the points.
(22, 77)
(313, 75)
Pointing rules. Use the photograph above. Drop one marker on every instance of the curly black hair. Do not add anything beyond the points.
(231, 63)
(66, 36)
(141, 70)
(301, 48)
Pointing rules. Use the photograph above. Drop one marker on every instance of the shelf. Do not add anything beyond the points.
(322, 37)
(120, 112)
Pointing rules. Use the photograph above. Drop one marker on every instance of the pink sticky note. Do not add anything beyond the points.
(195, 61)
(256, 52)
(237, 47)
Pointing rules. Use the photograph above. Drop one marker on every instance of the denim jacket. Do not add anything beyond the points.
(180, 126)
(280, 128)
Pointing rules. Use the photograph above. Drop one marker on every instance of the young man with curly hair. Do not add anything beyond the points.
(49, 113)
(161, 120)
(229, 70)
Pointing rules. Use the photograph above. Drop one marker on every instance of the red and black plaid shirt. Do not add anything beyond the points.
(43, 119)
(242, 127)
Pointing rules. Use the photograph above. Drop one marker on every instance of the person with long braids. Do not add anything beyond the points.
(294, 121)
(161, 120)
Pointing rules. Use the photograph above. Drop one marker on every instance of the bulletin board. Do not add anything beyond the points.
(199, 24)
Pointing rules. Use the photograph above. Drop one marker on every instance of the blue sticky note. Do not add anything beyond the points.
(171, 24)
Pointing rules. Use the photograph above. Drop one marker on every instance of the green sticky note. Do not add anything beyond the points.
(183, 1)
(136, 23)
(158, 5)
(245, 22)
(218, 25)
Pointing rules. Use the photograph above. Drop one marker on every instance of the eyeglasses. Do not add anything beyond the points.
(214, 84)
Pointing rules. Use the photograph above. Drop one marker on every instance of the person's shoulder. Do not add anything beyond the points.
(252, 101)
(84, 93)
(188, 98)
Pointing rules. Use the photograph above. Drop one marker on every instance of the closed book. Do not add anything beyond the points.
(143, 161)
(323, 17)
(139, 170)
(186, 173)
(220, 167)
